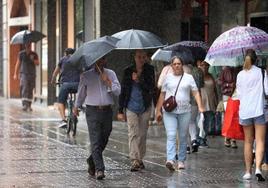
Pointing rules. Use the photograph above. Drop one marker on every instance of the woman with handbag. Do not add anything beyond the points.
(250, 88)
(175, 100)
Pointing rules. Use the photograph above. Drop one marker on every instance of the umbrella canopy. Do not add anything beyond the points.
(233, 43)
(137, 39)
(198, 48)
(168, 52)
(92, 51)
(27, 36)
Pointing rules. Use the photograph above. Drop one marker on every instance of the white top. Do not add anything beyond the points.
(167, 70)
(184, 91)
(92, 90)
(249, 89)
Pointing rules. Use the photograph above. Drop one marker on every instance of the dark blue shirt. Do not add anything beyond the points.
(135, 103)
(68, 74)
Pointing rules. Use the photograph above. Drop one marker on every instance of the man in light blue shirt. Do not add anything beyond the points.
(96, 89)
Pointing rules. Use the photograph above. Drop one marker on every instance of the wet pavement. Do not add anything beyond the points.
(35, 153)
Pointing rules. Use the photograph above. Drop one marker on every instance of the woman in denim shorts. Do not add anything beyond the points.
(250, 87)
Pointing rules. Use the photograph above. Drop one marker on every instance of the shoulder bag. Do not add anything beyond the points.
(170, 103)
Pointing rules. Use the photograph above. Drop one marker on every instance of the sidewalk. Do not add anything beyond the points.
(35, 153)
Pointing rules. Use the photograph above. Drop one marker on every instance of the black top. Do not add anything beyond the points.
(27, 67)
(146, 83)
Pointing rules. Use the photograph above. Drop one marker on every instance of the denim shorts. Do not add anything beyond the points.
(260, 120)
(65, 89)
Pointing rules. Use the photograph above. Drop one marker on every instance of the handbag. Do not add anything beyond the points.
(263, 76)
(170, 103)
(231, 127)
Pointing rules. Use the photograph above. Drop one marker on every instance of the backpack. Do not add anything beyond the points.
(227, 78)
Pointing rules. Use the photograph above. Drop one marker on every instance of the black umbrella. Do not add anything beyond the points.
(27, 36)
(138, 39)
(92, 51)
(198, 48)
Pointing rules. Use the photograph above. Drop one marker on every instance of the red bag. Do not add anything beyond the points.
(170, 104)
(231, 127)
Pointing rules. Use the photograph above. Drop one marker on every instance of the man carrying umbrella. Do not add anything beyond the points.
(26, 62)
(138, 86)
(97, 88)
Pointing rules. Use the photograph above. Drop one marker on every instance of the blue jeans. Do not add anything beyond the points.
(173, 123)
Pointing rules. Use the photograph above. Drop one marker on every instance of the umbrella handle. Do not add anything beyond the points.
(98, 68)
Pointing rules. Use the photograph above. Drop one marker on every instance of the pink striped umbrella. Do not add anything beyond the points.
(232, 44)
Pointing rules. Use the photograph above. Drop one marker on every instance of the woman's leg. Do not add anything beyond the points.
(183, 127)
(170, 123)
(266, 147)
(248, 146)
(260, 131)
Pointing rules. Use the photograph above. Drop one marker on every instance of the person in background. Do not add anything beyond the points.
(250, 87)
(227, 81)
(69, 80)
(177, 120)
(97, 88)
(198, 76)
(25, 70)
(265, 160)
(209, 100)
(138, 90)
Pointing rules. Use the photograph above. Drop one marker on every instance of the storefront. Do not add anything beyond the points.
(63, 23)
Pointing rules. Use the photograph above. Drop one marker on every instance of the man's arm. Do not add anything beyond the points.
(17, 66)
(122, 97)
(54, 75)
(115, 85)
(81, 95)
(36, 59)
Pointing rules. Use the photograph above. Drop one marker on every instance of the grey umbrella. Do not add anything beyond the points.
(137, 39)
(26, 36)
(92, 51)
(166, 54)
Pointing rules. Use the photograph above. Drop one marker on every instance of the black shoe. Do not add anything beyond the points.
(188, 150)
(195, 146)
(259, 177)
(100, 175)
(135, 166)
(91, 166)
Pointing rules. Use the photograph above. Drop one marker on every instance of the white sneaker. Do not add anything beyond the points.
(247, 176)
(170, 165)
(181, 165)
(63, 124)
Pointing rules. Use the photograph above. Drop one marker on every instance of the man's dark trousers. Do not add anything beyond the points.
(99, 122)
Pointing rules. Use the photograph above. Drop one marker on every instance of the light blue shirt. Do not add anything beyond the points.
(92, 90)
(135, 103)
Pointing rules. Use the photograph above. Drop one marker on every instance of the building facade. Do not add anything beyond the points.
(69, 23)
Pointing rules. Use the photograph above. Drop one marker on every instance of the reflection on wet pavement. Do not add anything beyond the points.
(35, 153)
